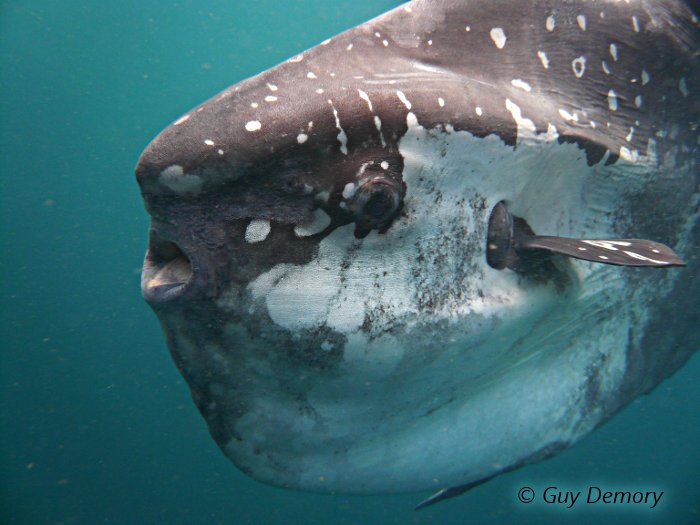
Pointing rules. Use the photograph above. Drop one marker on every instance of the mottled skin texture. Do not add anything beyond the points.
(423, 99)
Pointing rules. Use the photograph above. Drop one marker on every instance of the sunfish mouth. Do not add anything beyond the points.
(413, 257)
(166, 271)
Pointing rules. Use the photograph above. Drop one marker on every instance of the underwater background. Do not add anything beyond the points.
(96, 424)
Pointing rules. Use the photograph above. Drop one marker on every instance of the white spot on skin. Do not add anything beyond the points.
(521, 84)
(311, 75)
(272, 87)
(403, 99)
(253, 125)
(613, 51)
(612, 100)
(441, 102)
(524, 124)
(629, 156)
(326, 42)
(320, 222)
(270, 98)
(498, 37)
(411, 120)
(467, 29)
(254, 105)
(378, 125)
(364, 96)
(568, 116)
(683, 87)
(645, 77)
(628, 138)
(342, 137)
(257, 231)
(349, 47)
(579, 66)
(479, 111)
(220, 151)
(635, 24)
(297, 58)
(177, 180)
(638, 101)
(384, 165)
(349, 190)
(181, 120)
(319, 91)
(209, 142)
(550, 23)
(386, 44)
(543, 58)
(302, 137)
(605, 67)
(430, 42)
(581, 21)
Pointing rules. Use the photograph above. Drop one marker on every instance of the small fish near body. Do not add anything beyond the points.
(374, 264)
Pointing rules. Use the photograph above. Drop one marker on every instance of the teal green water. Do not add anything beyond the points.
(96, 425)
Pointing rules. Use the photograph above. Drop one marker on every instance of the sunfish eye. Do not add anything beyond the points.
(376, 202)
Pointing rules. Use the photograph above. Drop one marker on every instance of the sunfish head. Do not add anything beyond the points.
(318, 251)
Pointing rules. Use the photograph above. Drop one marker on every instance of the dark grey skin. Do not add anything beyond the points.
(318, 252)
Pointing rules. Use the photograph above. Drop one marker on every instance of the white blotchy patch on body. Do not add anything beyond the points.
(521, 84)
(404, 100)
(581, 21)
(342, 136)
(253, 125)
(498, 36)
(320, 222)
(579, 66)
(178, 181)
(613, 51)
(257, 230)
(509, 403)
(526, 127)
(550, 23)
(364, 96)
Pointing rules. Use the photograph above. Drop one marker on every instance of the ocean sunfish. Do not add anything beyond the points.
(376, 264)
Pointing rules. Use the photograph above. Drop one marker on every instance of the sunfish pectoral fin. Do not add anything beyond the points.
(510, 241)
(620, 252)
